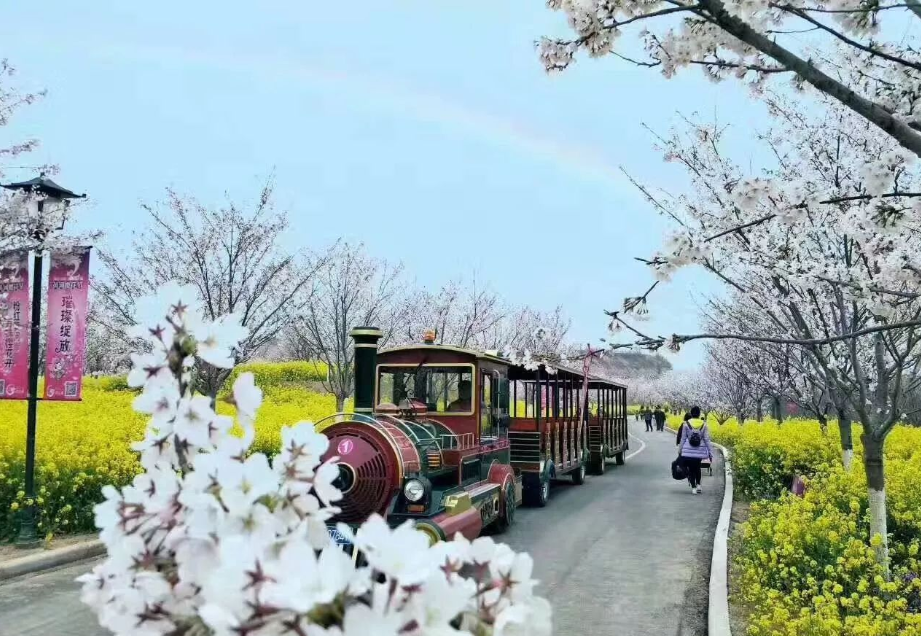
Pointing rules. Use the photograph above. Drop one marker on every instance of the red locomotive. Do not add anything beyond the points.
(455, 439)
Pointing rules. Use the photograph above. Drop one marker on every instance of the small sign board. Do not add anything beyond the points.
(338, 537)
(340, 540)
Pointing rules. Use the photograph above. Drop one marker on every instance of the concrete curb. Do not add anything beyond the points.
(718, 611)
(50, 559)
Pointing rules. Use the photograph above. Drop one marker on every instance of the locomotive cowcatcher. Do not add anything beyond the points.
(432, 438)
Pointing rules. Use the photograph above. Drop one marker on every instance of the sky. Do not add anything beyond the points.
(427, 130)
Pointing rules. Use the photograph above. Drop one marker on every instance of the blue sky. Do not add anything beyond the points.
(426, 129)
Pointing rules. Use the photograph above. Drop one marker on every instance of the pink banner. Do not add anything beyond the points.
(14, 326)
(68, 284)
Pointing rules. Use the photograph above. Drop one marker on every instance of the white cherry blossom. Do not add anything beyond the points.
(213, 538)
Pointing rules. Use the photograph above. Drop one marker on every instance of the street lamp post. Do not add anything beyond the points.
(47, 211)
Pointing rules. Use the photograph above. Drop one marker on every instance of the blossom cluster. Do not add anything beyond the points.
(868, 190)
(545, 353)
(213, 538)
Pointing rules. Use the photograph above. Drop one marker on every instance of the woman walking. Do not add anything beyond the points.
(694, 443)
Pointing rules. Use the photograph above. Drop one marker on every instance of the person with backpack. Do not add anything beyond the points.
(694, 447)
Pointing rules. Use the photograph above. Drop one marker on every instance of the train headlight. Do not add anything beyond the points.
(414, 490)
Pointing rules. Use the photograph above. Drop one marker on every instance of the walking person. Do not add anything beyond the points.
(694, 447)
(659, 415)
(647, 417)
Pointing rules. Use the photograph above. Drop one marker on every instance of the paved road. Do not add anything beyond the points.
(627, 553)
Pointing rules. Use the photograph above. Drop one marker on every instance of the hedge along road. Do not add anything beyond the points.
(627, 553)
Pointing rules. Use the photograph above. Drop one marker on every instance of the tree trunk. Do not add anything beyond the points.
(758, 411)
(779, 410)
(876, 486)
(847, 439)
(823, 423)
(340, 403)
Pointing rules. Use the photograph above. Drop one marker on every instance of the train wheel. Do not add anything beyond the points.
(619, 458)
(537, 492)
(507, 518)
(544, 493)
(598, 464)
(578, 475)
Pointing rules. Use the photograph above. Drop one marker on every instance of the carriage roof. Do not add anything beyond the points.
(428, 348)
(516, 372)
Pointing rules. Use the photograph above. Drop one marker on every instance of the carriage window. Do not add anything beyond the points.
(487, 406)
(443, 389)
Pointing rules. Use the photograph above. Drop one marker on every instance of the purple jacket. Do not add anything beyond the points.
(700, 452)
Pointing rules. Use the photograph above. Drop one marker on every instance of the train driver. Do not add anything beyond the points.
(464, 393)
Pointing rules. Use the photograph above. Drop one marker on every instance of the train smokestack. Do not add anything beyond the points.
(366, 339)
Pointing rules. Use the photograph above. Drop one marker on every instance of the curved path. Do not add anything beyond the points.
(625, 554)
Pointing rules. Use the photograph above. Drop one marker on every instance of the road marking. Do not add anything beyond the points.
(638, 450)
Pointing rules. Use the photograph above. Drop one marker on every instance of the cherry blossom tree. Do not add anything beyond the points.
(643, 390)
(679, 389)
(16, 230)
(461, 314)
(230, 254)
(519, 326)
(824, 247)
(850, 52)
(765, 369)
(350, 289)
(783, 370)
(730, 389)
(105, 355)
(214, 539)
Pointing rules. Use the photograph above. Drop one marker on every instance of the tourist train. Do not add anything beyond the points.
(457, 439)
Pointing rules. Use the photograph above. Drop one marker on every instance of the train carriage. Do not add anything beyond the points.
(563, 424)
(456, 439)
(607, 424)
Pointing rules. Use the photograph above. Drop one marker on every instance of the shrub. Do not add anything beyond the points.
(273, 374)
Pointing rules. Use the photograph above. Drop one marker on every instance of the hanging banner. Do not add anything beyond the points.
(68, 285)
(14, 326)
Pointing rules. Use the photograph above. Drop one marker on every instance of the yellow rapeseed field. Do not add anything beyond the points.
(805, 565)
(83, 446)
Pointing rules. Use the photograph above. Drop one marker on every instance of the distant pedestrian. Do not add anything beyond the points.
(647, 417)
(659, 415)
(694, 447)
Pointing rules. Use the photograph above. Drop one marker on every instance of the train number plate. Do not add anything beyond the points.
(338, 537)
